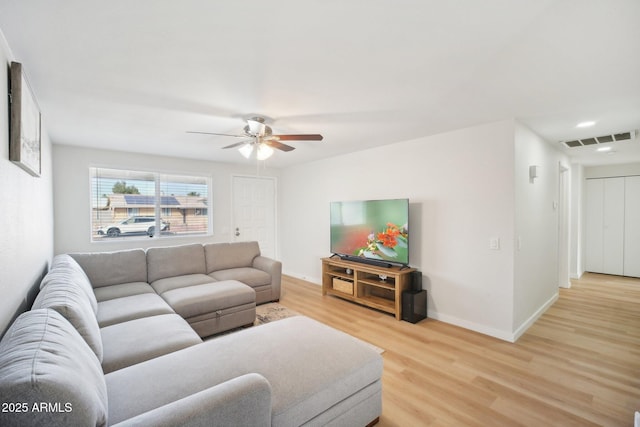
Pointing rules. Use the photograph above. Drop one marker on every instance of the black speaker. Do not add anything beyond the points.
(414, 305)
(416, 281)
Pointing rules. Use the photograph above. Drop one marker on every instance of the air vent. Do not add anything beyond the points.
(600, 139)
(622, 136)
(603, 139)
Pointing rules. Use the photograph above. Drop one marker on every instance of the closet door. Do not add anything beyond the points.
(605, 226)
(594, 212)
(632, 227)
(613, 227)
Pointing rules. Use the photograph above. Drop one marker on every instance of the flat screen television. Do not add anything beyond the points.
(371, 230)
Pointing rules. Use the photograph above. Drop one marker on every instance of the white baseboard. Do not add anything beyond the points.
(314, 280)
(476, 327)
(576, 275)
(535, 316)
(496, 333)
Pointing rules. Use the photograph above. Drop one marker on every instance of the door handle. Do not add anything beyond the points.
(237, 231)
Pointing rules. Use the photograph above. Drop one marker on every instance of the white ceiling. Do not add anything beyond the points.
(136, 75)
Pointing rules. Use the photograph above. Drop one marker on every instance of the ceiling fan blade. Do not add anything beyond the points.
(218, 134)
(307, 137)
(237, 144)
(280, 146)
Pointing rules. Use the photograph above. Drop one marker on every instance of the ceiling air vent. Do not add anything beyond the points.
(600, 139)
(622, 136)
(603, 139)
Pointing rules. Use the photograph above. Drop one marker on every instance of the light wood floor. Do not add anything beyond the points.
(578, 365)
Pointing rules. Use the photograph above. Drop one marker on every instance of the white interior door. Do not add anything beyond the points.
(254, 212)
(632, 226)
(594, 213)
(613, 230)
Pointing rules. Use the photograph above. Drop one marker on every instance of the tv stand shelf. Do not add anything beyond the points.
(373, 286)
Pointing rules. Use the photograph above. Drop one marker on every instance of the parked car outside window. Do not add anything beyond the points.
(134, 224)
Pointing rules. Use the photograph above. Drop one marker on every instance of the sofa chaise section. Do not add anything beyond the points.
(318, 375)
(211, 308)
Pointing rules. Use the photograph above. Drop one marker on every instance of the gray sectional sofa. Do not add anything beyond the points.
(116, 339)
(214, 287)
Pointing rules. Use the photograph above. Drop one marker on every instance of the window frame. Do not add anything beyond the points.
(159, 178)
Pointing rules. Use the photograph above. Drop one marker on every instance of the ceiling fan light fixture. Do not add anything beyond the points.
(262, 141)
(264, 152)
(246, 150)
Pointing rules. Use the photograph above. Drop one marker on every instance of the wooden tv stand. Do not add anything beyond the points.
(361, 283)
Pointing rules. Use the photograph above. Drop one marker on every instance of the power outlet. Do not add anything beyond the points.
(494, 243)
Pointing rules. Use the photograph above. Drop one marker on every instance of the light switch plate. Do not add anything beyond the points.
(494, 243)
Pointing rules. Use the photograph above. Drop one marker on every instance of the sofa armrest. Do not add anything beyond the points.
(274, 269)
(241, 401)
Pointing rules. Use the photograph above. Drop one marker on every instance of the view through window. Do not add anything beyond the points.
(131, 204)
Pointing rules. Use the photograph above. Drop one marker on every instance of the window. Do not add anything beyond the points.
(131, 204)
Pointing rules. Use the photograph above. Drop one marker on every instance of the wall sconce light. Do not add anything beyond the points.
(533, 172)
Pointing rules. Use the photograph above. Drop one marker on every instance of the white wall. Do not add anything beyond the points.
(72, 195)
(536, 227)
(461, 190)
(608, 171)
(577, 224)
(26, 215)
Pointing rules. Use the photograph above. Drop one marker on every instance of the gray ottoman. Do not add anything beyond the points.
(214, 307)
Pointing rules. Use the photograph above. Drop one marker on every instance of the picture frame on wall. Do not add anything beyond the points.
(24, 123)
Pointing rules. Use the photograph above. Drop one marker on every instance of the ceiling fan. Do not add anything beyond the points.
(262, 140)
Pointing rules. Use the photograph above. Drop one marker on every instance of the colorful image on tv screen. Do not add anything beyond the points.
(374, 229)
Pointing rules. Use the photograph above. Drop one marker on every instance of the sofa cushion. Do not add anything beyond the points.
(297, 356)
(133, 307)
(106, 293)
(221, 256)
(163, 285)
(175, 261)
(65, 268)
(43, 360)
(247, 275)
(113, 268)
(71, 302)
(142, 339)
(193, 301)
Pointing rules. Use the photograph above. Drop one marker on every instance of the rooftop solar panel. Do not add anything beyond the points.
(138, 199)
